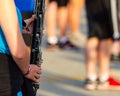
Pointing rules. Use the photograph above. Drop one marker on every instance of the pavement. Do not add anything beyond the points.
(63, 72)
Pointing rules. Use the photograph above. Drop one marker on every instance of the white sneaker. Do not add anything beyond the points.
(90, 85)
(78, 39)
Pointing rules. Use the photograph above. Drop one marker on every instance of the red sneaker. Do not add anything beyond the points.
(113, 82)
(110, 84)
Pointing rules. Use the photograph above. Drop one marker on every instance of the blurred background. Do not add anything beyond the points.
(64, 69)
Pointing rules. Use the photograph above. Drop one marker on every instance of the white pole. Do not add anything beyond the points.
(116, 34)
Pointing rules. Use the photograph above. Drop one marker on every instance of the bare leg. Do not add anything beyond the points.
(116, 48)
(104, 58)
(51, 15)
(91, 57)
(75, 8)
(62, 20)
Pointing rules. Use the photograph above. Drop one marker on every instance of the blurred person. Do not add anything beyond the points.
(59, 15)
(98, 46)
(14, 55)
(76, 37)
(115, 51)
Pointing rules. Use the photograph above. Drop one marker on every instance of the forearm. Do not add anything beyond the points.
(19, 52)
(22, 61)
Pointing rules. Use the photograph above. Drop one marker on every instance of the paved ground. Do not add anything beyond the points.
(64, 73)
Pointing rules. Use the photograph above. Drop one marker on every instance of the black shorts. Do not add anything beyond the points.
(99, 19)
(61, 3)
(11, 78)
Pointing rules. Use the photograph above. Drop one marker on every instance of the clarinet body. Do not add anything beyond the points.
(30, 87)
(36, 54)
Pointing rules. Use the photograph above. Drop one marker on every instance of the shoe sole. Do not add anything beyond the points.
(90, 87)
(52, 48)
(109, 88)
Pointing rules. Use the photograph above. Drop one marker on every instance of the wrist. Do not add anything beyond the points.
(28, 71)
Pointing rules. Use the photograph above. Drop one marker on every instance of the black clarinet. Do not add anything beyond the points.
(30, 88)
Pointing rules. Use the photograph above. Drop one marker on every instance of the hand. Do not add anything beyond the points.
(29, 25)
(34, 73)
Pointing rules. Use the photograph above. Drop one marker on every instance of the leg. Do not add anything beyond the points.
(75, 8)
(105, 81)
(91, 54)
(115, 51)
(63, 24)
(104, 58)
(62, 20)
(51, 14)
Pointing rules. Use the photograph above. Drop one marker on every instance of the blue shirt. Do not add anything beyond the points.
(3, 44)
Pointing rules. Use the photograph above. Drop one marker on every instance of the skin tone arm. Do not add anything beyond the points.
(19, 51)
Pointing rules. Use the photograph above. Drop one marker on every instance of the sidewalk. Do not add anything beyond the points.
(64, 72)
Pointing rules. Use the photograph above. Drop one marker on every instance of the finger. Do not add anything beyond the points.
(39, 72)
(37, 76)
(36, 80)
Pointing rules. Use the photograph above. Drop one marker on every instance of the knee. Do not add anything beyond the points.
(91, 51)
